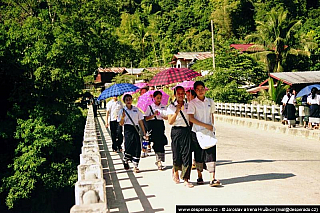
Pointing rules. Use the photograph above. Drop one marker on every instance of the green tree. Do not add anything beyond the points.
(46, 49)
(233, 18)
(277, 36)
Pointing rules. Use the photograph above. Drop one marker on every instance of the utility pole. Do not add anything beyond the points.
(133, 81)
(213, 62)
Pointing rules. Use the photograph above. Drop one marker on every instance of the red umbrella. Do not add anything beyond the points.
(173, 75)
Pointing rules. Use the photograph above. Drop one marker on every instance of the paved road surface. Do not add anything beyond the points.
(255, 167)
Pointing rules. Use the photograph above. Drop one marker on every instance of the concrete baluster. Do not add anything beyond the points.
(301, 115)
(273, 113)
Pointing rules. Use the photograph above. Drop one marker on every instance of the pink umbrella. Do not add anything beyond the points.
(147, 99)
(187, 85)
(141, 85)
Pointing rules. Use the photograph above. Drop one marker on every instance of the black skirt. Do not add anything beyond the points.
(290, 112)
(132, 142)
(181, 146)
(314, 111)
(158, 136)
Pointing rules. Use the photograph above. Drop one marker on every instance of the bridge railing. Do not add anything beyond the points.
(90, 189)
(260, 112)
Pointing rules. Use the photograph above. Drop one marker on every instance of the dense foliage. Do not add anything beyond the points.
(49, 47)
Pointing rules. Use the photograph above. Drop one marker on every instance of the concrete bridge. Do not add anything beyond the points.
(257, 164)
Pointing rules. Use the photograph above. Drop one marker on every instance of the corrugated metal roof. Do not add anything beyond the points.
(135, 71)
(112, 69)
(156, 69)
(192, 55)
(204, 55)
(291, 78)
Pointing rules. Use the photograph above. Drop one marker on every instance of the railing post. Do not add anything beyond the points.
(273, 113)
(280, 113)
(301, 115)
(265, 112)
(258, 112)
(252, 110)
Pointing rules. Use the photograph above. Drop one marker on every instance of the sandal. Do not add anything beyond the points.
(126, 165)
(200, 181)
(136, 170)
(159, 165)
(189, 185)
(175, 179)
(215, 183)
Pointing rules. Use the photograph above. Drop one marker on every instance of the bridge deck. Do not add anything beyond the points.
(256, 167)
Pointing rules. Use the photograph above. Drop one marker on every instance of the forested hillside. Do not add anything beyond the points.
(48, 47)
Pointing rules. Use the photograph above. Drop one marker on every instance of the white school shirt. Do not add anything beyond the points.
(171, 110)
(202, 111)
(291, 101)
(161, 108)
(134, 113)
(316, 99)
(113, 107)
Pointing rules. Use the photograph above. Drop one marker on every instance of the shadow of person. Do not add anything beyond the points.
(260, 177)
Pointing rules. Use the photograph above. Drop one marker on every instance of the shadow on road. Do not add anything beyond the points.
(227, 162)
(260, 177)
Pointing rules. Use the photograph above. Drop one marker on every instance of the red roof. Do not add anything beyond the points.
(241, 47)
(247, 47)
(255, 90)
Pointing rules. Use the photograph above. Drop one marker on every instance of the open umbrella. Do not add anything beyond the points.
(141, 85)
(147, 99)
(307, 90)
(116, 90)
(187, 85)
(173, 75)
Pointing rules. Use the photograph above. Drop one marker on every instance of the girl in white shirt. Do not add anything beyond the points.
(314, 101)
(129, 117)
(289, 112)
(180, 137)
(200, 112)
(154, 116)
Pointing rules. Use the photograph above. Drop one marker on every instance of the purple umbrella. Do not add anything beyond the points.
(147, 99)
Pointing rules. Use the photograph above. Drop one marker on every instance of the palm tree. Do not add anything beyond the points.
(276, 37)
(275, 93)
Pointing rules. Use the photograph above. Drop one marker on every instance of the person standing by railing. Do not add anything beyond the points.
(289, 111)
(314, 101)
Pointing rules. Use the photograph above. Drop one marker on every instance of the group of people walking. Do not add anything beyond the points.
(185, 117)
